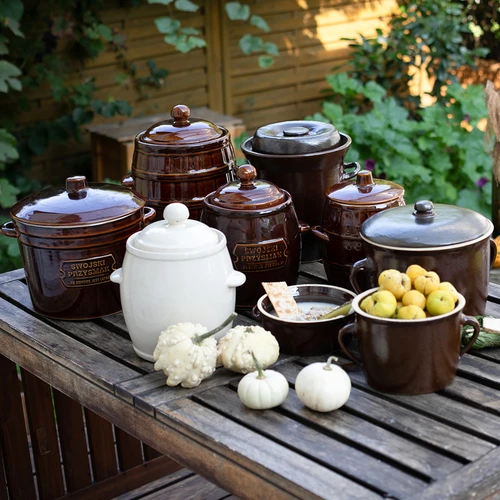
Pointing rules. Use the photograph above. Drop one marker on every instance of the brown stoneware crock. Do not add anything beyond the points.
(454, 242)
(262, 230)
(347, 206)
(306, 175)
(71, 239)
(181, 160)
(306, 338)
(408, 356)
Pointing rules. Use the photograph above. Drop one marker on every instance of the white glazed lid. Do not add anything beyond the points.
(176, 234)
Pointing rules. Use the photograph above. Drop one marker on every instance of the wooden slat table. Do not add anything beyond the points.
(436, 446)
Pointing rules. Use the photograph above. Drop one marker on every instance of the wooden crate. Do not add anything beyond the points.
(112, 144)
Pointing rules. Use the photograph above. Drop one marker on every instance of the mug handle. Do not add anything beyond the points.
(348, 173)
(470, 321)
(357, 268)
(349, 329)
(256, 312)
(149, 213)
(9, 229)
(493, 252)
(304, 227)
(319, 233)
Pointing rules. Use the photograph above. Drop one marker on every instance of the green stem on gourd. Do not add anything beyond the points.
(328, 365)
(198, 339)
(341, 310)
(261, 374)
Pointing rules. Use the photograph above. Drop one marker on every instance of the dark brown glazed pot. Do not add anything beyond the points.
(262, 230)
(306, 338)
(347, 206)
(181, 160)
(306, 177)
(454, 242)
(71, 240)
(408, 356)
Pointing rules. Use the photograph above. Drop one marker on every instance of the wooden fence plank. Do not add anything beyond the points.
(13, 435)
(128, 450)
(43, 434)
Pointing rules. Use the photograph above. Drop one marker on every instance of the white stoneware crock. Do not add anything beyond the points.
(175, 270)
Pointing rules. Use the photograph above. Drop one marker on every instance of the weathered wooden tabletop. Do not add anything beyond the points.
(440, 446)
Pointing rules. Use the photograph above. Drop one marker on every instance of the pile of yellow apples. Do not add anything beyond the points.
(414, 294)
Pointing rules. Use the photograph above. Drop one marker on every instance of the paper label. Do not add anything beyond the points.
(87, 272)
(251, 257)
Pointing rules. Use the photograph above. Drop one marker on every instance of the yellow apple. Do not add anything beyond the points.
(446, 285)
(397, 283)
(427, 283)
(385, 273)
(414, 297)
(414, 271)
(411, 312)
(381, 303)
(439, 302)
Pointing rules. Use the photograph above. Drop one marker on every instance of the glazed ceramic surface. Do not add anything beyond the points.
(176, 270)
(347, 206)
(455, 242)
(71, 239)
(306, 177)
(262, 231)
(306, 338)
(181, 160)
(408, 356)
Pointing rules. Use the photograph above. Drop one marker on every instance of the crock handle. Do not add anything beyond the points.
(319, 233)
(9, 229)
(357, 268)
(349, 329)
(470, 321)
(117, 276)
(149, 214)
(128, 181)
(236, 278)
(493, 252)
(349, 174)
(256, 312)
(304, 227)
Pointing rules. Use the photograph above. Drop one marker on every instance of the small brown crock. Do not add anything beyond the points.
(454, 242)
(71, 240)
(181, 160)
(262, 230)
(347, 206)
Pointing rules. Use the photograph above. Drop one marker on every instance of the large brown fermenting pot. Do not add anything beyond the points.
(262, 230)
(454, 242)
(71, 240)
(181, 160)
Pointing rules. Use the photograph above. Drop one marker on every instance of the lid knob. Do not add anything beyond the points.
(76, 187)
(180, 114)
(364, 181)
(295, 131)
(176, 214)
(424, 211)
(246, 174)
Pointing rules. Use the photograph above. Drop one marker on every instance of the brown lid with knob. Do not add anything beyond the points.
(248, 193)
(365, 190)
(182, 130)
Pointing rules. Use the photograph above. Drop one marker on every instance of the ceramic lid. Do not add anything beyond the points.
(295, 137)
(176, 234)
(425, 225)
(78, 204)
(365, 190)
(181, 130)
(247, 193)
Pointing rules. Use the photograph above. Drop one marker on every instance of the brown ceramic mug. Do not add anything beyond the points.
(408, 356)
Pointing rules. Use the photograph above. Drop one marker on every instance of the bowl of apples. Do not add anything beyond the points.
(409, 331)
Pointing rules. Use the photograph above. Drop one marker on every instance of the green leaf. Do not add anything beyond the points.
(12, 8)
(8, 76)
(343, 84)
(185, 44)
(104, 31)
(237, 11)
(163, 2)
(189, 31)
(8, 193)
(249, 44)
(265, 61)
(3, 45)
(15, 84)
(167, 25)
(8, 151)
(332, 111)
(260, 23)
(271, 49)
(13, 25)
(374, 91)
(123, 108)
(186, 6)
